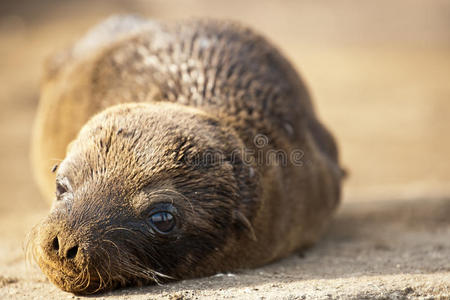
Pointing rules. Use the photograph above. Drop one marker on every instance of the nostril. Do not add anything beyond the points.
(72, 252)
(55, 244)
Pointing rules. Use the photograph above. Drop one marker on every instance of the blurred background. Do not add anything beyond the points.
(379, 73)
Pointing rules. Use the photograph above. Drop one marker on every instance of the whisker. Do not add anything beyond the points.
(100, 279)
(163, 191)
(119, 228)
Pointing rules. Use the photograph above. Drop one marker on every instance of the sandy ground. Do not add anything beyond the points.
(380, 76)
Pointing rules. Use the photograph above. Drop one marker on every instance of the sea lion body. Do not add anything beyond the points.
(204, 120)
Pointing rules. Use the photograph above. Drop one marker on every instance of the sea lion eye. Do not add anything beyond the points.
(162, 221)
(60, 189)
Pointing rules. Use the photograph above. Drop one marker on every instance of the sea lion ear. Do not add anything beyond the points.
(240, 220)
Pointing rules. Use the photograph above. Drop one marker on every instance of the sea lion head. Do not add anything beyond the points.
(147, 192)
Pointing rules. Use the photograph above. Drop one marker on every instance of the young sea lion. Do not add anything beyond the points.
(188, 149)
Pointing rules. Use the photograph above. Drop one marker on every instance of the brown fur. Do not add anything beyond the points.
(186, 115)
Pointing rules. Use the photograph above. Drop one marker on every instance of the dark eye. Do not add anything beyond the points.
(60, 189)
(162, 221)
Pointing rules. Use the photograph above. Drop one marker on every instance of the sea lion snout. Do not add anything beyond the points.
(60, 251)
(62, 246)
(84, 257)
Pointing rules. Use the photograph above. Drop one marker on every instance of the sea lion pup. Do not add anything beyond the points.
(187, 149)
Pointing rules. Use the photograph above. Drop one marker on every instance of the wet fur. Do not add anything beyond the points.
(132, 109)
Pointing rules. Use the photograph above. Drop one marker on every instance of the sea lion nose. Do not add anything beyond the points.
(65, 246)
